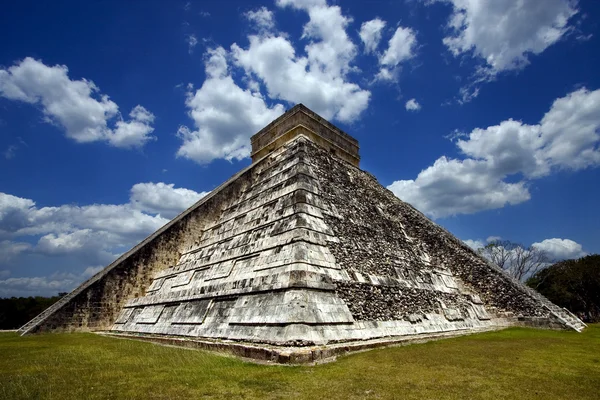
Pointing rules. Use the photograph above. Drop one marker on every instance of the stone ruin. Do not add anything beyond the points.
(297, 258)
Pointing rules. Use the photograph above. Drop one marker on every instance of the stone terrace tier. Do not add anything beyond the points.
(301, 251)
(299, 120)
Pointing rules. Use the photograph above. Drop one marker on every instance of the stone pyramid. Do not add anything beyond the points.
(299, 256)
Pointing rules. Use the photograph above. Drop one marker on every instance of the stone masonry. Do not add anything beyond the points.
(300, 249)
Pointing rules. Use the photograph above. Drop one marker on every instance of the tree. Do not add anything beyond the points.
(572, 284)
(514, 258)
(16, 311)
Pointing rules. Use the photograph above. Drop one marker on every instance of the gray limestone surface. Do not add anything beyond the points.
(300, 249)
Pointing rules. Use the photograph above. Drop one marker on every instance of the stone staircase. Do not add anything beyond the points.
(569, 319)
(566, 316)
(32, 324)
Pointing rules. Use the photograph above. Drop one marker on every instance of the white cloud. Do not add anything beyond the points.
(164, 199)
(44, 285)
(330, 50)
(225, 115)
(401, 47)
(491, 239)
(134, 133)
(474, 244)
(370, 34)
(302, 4)
(451, 187)
(74, 105)
(92, 245)
(555, 249)
(561, 249)
(67, 228)
(570, 131)
(10, 249)
(227, 111)
(192, 42)
(91, 271)
(97, 232)
(261, 18)
(36, 286)
(505, 32)
(412, 105)
(91, 234)
(566, 138)
(318, 79)
(64, 242)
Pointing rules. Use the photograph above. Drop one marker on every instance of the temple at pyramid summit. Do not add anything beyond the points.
(297, 258)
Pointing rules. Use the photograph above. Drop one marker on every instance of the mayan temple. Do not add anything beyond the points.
(297, 258)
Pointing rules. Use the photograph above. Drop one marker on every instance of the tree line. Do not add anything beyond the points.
(572, 284)
(16, 311)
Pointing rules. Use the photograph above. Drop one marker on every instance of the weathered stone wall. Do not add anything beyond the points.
(381, 235)
(328, 136)
(97, 305)
(260, 271)
(300, 249)
(368, 302)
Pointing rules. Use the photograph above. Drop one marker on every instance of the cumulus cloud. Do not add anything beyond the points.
(36, 286)
(505, 32)
(96, 232)
(561, 249)
(69, 226)
(164, 199)
(76, 106)
(10, 249)
(85, 244)
(370, 34)
(401, 47)
(522, 261)
(262, 19)
(44, 285)
(555, 249)
(474, 244)
(566, 138)
(91, 234)
(412, 105)
(224, 114)
(319, 79)
(451, 187)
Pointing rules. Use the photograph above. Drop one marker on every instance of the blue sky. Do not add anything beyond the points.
(116, 116)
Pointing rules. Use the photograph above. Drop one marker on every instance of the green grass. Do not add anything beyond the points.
(511, 364)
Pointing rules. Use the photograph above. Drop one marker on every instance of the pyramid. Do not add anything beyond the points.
(299, 257)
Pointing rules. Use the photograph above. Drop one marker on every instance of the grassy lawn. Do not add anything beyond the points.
(514, 363)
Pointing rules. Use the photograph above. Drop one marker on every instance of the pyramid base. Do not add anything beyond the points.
(311, 355)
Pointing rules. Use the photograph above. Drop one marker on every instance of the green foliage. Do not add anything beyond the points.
(515, 363)
(573, 284)
(16, 311)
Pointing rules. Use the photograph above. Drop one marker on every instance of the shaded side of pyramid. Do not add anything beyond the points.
(301, 248)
